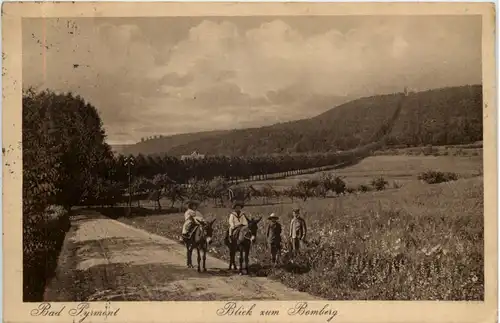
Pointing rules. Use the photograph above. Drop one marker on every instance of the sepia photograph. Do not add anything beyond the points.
(240, 158)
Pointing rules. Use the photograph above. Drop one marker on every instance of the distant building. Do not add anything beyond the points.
(194, 155)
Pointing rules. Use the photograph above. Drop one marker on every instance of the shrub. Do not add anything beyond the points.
(363, 188)
(350, 190)
(43, 236)
(435, 177)
(379, 183)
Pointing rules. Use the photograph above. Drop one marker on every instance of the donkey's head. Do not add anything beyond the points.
(252, 227)
(208, 230)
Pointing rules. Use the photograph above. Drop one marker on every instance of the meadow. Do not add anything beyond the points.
(415, 242)
(399, 169)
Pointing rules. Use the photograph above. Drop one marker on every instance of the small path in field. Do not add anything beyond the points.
(103, 259)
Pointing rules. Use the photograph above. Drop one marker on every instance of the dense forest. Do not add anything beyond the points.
(437, 117)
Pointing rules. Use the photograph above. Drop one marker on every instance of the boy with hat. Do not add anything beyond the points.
(236, 219)
(273, 236)
(191, 217)
(298, 230)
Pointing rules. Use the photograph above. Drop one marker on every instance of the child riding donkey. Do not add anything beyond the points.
(237, 219)
(192, 217)
(240, 236)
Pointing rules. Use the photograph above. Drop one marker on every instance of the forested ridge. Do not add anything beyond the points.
(437, 117)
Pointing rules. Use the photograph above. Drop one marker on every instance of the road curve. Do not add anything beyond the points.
(103, 259)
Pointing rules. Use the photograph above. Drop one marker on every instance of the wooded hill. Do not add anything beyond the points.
(437, 117)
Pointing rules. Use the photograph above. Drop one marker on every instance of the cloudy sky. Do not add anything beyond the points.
(151, 76)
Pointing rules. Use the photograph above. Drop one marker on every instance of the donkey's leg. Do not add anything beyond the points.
(189, 256)
(247, 252)
(204, 259)
(232, 256)
(241, 261)
(199, 259)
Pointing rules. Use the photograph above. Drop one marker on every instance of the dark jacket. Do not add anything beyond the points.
(273, 234)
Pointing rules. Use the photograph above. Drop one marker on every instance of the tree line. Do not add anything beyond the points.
(231, 168)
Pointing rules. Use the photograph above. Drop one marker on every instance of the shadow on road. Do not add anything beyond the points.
(129, 282)
(124, 269)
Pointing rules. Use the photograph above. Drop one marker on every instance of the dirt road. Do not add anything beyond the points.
(103, 259)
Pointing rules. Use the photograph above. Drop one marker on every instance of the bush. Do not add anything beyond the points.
(435, 177)
(350, 190)
(43, 236)
(363, 188)
(379, 183)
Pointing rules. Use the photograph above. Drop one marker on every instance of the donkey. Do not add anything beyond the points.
(199, 239)
(241, 241)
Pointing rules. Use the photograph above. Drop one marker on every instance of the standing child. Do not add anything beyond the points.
(298, 230)
(273, 236)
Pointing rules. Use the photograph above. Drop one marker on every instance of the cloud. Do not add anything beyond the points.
(276, 56)
(104, 63)
(175, 80)
(221, 74)
(227, 94)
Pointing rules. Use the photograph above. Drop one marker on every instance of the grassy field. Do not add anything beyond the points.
(400, 169)
(418, 242)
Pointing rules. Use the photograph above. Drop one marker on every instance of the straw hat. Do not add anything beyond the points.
(272, 216)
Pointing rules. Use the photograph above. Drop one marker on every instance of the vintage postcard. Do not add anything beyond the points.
(249, 162)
